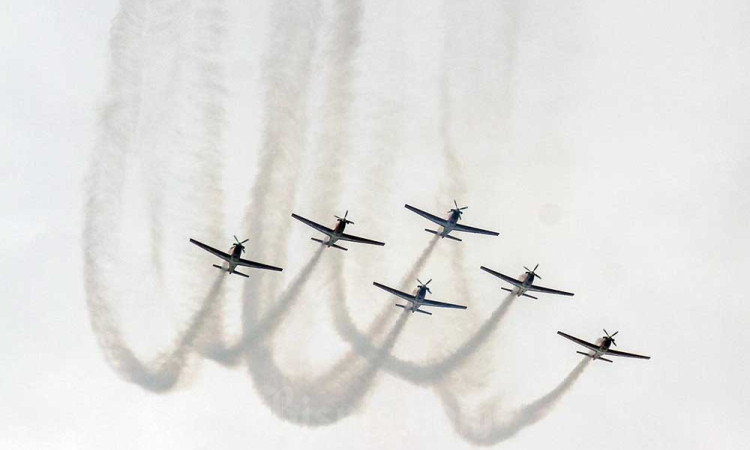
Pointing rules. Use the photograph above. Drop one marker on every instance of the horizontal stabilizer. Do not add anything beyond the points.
(327, 244)
(506, 289)
(431, 231)
(423, 312)
(240, 274)
(452, 237)
(530, 296)
(585, 354)
(219, 267)
(605, 359)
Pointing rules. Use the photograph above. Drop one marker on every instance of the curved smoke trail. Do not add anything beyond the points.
(287, 77)
(333, 395)
(192, 119)
(325, 399)
(486, 429)
(163, 372)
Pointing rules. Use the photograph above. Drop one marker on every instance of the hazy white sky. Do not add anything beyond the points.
(606, 141)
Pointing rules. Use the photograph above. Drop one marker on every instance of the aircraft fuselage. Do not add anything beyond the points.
(420, 292)
(236, 253)
(452, 221)
(338, 230)
(603, 347)
(527, 281)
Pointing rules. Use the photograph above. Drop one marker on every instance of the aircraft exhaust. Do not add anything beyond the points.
(489, 429)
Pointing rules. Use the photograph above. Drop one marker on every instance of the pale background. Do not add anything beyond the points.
(605, 140)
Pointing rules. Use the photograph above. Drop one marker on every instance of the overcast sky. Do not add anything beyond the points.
(606, 141)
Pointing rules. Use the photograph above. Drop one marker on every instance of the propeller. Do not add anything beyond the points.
(424, 285)
(529, 271)
(611, 336)
(344, 218)
(237, 242)
(457, 209)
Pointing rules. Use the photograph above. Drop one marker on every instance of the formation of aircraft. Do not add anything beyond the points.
(602, 348)
(417, 298)
(234, 258)
(451, 223)
(525, 284)
(336, 233)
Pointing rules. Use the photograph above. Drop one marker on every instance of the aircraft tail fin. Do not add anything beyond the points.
(530, 296)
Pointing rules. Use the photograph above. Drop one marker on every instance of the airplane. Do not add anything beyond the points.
(337, 233)
(418, 299)
(449, 224)
(233, 258)
(526, 284)
(602, 348)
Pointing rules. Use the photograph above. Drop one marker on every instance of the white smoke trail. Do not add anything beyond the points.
(487, 429)
(189, 113)
(340, 48)
(286, 76)
(321, 400)
(434, 370)
(163, 372)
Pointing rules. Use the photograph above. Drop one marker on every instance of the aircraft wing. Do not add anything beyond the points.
(428, 216)
(349, 237)
(510, 280)
(534, 287)
(626, 355)
(216, 252)
(395, 292)
(317, 226)
(257, 265)
(467, 229)
(437, 304)
(588, 345)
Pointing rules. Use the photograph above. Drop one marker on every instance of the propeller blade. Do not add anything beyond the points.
(346, 213)
(535, 267)
(454, 202)
(235, 238)
(245, 241)
(615, 333)
(428, 282)
(605, 331)
(527, 269)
